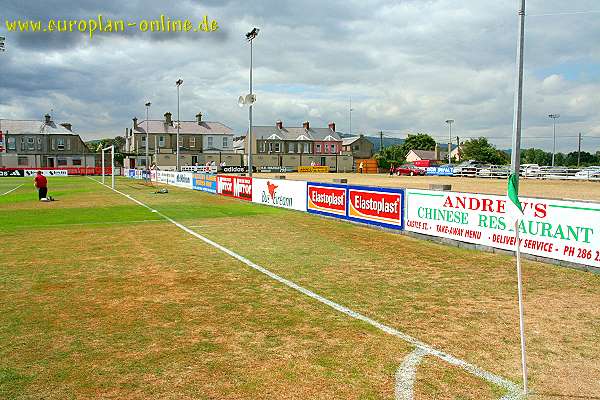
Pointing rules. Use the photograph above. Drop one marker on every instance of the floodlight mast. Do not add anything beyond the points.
(250, 36)
(554, 118)
(148, 104)
(450, 122)
(178, 83)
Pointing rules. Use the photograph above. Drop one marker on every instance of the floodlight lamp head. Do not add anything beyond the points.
(241, 101)
(148, 104)
(449, 121)
(250, 99)
(554, 116)
(179, 82)
(252, 34)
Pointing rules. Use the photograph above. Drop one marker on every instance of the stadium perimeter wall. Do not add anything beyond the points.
(560, 232)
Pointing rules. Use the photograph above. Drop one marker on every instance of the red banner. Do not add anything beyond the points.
(327, 199)
(239, 187)
(381, 206)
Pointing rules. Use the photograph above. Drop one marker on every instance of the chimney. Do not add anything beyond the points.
(67, 126)
(47, 118)
(332, 126)
(279, 124)
(306, 125)
(168, 119)
(199, 118)
(135, 125)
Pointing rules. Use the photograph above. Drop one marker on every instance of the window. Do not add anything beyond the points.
(277, 147)
(39, 143)
(209, 141)
(262, 147)
(142, 162)
(292, 148)
(318, 148)
(357, 147)
(53, 143)
(61, 162)
(143, 139)
(270, 147)
(22, 143)
(68, 143)
(225, 142)
(60, 144)
(192, 142)
(332, 148)
(161, 141)
(30, 143)
(306, 147)
(12, 143)
(23, 161)
(76, 161)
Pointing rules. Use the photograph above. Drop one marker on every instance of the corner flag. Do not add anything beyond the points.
(513, 207)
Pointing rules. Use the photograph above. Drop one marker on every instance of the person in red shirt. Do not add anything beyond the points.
(41, 183)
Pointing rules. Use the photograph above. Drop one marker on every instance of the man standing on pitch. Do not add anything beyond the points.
(41, 183)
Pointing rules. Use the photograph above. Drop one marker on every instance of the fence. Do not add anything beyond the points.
(66, 171)
(558, 231)
(502, 172)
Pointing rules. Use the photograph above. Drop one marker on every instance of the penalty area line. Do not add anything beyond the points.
(514, 392)
(11, 190)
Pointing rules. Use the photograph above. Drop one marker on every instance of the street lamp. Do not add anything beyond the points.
(148, 104)
(250, 36)
(178, 83)
(450, 122)
(2, 39)
(554, 118)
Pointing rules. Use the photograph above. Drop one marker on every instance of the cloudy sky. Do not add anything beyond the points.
(408, 65)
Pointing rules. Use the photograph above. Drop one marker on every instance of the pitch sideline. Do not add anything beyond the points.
(513, 391)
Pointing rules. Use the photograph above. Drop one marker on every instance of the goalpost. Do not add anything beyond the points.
(112, 164)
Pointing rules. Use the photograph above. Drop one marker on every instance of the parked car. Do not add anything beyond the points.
(493, 171)
(588, 172)
(467, 168)
(530, 170)
(409, 169)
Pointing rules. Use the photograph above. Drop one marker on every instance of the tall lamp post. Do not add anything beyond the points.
(148, 104)
(250, 36)
(178, 83)
(450, 122)
(554, 118)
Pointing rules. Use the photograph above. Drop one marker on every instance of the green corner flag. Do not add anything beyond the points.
(514, 210)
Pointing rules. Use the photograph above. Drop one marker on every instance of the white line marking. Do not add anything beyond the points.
(405, 376)
(11, 190)
(514, 392)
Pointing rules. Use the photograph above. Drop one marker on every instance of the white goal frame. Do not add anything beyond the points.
(112, 163)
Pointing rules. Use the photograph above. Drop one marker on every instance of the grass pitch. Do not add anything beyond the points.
(104, 299)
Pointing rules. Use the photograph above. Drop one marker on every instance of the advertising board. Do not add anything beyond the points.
(314, 169)
(327, 199)
(14, 173)
(376, 206)
(239, 187)
(46, 172)
(205, 182)
(235, 169)
(558, 229)
(183, 180)
(440, 171)
(276, 170)
(280, 193)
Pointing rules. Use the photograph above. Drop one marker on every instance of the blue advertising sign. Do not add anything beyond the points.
(205, 182)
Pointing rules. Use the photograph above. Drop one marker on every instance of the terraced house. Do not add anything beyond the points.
(279, 139)
(196, 139)
(42, 144)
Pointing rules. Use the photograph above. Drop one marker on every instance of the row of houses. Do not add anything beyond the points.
(45, 143)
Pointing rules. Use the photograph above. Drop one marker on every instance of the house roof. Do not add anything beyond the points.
(32, 127)
(186, 127)
(350, 140)
(295, 133)
(429, 154)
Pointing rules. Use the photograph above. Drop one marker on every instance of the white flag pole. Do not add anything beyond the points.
(521, 316)
(515, 169)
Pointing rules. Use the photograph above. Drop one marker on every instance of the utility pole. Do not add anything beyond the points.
(450, 122)
(351, 115)
(579, 149)
(380, 141)
(457, 149)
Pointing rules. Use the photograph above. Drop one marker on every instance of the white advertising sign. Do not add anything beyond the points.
(280, 193)
(558, 229)
(184, 180)
(47, 172)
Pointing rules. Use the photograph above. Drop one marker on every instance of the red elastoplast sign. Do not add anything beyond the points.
(239, 187)
(378, 206)
(326, 199)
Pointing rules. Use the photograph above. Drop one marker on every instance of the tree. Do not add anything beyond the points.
(397, 154)
(481, 150)
(96, 146)
(536, 156)
(420, 141)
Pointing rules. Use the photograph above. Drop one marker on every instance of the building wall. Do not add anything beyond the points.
(189, 142)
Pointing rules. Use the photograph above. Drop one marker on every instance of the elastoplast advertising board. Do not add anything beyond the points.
(205, 183)
(239, 187)
(558, 229)
(280, 193)
(327, 199)
(376, 206)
